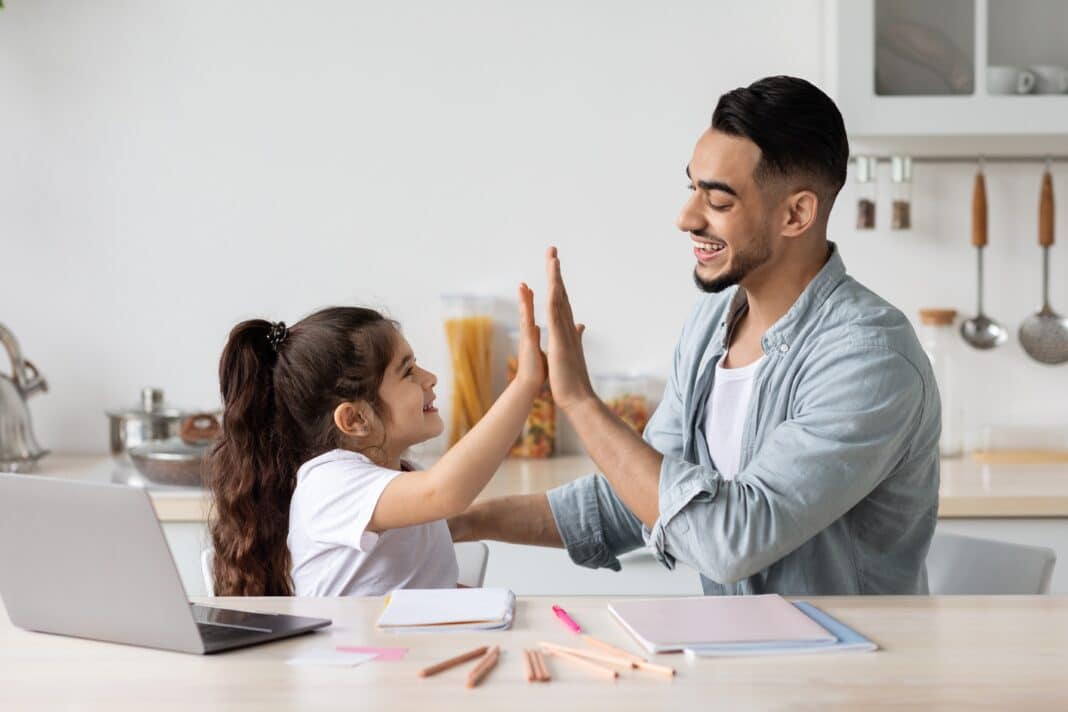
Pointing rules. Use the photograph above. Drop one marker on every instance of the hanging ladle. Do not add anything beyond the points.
(981, 331)
(1044, 335)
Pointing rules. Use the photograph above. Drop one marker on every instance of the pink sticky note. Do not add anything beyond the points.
(387, 655)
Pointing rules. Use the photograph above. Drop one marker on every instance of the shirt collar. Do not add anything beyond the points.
(780, 335)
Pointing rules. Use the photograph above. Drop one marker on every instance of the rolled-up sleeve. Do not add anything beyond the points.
(852, 425)
(595, 526)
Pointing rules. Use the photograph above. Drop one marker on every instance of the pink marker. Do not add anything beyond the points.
(566, 619)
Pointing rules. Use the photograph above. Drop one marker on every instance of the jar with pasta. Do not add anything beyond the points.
(469, 332)
(538, 437)
(628, 396)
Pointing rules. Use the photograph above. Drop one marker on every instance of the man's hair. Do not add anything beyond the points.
(797, 127)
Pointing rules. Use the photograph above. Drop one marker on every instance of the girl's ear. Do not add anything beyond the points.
(354, 418)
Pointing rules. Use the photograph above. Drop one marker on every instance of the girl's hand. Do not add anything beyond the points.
(531, 369)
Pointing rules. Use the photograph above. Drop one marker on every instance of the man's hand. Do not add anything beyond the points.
(568, 376)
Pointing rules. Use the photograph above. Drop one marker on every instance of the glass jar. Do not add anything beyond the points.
(469, 332)
(628, 396)
(900, 193)
(538, 437)
(939, 341)
(866, 194)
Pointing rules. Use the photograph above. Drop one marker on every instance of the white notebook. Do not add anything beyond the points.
(430, 609)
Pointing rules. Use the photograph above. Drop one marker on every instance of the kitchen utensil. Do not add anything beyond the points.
(981, 331)
(151, 420)
(178, 461)
(19, 450)
(1044, 335)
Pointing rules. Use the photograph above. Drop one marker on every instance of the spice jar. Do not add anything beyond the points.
(469, 331)
(901, 192)
(627, 395)
(538, 437)
(866, 174)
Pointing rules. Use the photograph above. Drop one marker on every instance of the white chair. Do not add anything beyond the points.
(959, 564)
(471, 556)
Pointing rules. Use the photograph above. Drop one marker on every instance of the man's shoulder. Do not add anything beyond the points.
(855, 315)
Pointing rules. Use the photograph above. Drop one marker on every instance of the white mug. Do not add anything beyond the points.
(1010, 80)
(1051, 79)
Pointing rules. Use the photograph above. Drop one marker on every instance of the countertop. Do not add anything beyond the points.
(960, 652)
(969, 489)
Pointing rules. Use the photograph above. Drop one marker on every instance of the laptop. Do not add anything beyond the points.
(89, 560)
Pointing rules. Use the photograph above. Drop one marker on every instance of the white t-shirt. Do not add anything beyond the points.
(332, 552)
(725, 412)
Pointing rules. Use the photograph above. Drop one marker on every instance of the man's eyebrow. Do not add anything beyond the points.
(408, 358)
(712, 185)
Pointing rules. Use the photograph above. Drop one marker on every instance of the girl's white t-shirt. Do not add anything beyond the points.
(332, 552)
(725, 412)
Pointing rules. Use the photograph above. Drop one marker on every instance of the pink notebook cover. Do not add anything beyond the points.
(662, 624)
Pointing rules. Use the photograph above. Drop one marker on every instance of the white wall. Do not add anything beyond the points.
(167, 169)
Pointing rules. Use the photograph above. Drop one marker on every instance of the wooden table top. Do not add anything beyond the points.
(936, 652)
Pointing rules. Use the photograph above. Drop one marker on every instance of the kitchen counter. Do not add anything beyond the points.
(969, 489)
(960, 652)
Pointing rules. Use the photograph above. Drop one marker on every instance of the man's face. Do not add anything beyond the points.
(725, 216)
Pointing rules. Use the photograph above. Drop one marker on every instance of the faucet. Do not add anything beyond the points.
(19, 450)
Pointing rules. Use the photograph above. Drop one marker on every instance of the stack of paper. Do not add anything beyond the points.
(435, 609)
(734, 625)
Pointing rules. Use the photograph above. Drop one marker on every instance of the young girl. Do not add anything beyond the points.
(311, 495)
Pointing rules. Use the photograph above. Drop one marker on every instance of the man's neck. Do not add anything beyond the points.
(771, 292)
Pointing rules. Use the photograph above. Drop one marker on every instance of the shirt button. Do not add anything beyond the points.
(783, 348)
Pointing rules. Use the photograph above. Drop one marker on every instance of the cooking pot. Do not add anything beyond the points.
(179, 461)
(151, 420)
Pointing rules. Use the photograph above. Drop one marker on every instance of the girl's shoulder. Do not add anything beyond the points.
(343, 463)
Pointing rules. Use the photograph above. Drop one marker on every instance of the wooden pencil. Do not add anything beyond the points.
(528, 666)
(540, 666)
(585, 663)
(453, 662)
(487, 663)
(603, 658)
(658, 669)
(609, 648)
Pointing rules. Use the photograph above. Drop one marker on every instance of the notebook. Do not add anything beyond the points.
(435, 609)
(847, 640)
(668, 624)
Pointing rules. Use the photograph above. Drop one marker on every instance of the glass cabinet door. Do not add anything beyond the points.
(1026, 48)
(924, 47)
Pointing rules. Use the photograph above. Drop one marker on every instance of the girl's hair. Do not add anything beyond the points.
(279, 389)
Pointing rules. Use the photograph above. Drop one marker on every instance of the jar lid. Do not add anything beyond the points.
(152, 405)
(938, 317)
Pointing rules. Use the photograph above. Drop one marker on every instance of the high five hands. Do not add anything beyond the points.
(568, 376)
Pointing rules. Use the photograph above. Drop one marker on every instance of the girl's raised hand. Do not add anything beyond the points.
(531, 368)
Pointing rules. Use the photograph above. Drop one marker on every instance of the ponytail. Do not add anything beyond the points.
(280, 388)
(251, 479)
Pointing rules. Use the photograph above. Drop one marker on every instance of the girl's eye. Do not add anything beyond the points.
(408, 373)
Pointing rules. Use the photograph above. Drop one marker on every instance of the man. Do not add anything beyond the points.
(795, 448)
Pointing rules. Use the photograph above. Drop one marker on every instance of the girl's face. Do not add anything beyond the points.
(408, 392)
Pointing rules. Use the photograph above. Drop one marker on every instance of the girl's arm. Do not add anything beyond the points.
(449, 487)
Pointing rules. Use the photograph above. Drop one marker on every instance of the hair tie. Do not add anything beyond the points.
(276, 334)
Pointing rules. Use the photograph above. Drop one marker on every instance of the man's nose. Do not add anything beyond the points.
(691, 219)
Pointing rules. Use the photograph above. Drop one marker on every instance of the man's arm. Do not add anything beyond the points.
(520, 519)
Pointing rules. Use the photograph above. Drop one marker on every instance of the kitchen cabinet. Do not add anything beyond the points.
(949, 69)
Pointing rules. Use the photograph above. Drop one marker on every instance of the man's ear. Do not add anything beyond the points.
(802, 208)
(354, 418)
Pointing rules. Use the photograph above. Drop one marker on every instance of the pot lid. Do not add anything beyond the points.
(151, 405)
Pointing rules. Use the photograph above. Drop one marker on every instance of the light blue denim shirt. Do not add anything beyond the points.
(837, 488)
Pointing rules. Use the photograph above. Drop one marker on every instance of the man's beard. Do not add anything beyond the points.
(744, 263)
